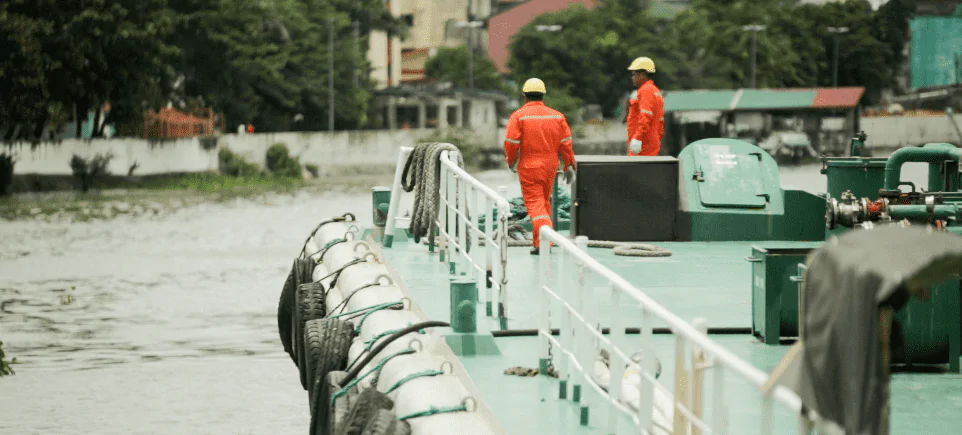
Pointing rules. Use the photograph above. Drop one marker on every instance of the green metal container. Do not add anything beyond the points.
(862, 175)
(774, 292)
(928, 332)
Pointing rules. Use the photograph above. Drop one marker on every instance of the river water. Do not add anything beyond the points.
(170, 325)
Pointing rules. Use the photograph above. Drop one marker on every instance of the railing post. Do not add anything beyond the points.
(719, 411)
(491, 216)
(451, 224)
(395, 197)
(646, 401)
(563, 278)
(503, 270)
(476, 234)
(585, 350)
(616, 367)
(544, 322)
(682, 387)
(462, 201)
(442, 226)
(698, 362)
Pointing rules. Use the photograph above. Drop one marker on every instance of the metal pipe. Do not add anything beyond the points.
(942, 211)
(931, 155)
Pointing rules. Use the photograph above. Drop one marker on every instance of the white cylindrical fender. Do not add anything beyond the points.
(415, 395)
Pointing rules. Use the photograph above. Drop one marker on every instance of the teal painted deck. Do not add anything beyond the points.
(708, 280)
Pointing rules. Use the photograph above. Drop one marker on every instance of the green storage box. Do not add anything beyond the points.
(774, 292)
(862, 175)
(928, 332)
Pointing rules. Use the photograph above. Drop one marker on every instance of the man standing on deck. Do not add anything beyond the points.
(535, 136)
(646, 117)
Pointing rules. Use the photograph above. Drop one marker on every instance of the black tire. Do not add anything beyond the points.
(364, 409)
(284, 313)
(326, 344)
(310, 306)
(303, 274)
(323, 415)
(401, 427)
(382, 423)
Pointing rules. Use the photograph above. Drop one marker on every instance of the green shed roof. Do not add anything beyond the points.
(681, 101)
(753, 99)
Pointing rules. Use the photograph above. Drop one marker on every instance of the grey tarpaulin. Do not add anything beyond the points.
(836, 367)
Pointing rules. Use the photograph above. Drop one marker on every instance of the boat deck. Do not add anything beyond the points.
(711, 280)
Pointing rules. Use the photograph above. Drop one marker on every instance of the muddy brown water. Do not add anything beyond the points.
(171, 323)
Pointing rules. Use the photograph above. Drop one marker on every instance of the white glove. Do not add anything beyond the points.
(635, 146)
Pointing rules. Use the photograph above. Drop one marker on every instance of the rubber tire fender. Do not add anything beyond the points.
(310, 306)
(303, 274)
(284, 313)
(385, 423)
(326, 344)
(323, 415)
(364, 409)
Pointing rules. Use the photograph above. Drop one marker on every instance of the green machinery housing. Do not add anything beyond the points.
(862, 193)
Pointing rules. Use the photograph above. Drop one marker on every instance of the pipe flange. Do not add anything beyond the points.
(930, 208)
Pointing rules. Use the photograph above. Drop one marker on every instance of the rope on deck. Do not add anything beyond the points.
(422, 175)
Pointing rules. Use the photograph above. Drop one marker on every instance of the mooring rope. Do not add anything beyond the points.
(422, 175)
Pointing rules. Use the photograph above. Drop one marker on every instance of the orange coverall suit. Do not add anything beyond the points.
(536, 134)
(646, 119)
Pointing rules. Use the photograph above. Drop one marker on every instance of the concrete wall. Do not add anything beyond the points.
(899, 131)
(334, 153)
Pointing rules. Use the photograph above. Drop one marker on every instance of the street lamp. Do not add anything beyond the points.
(836, 31)
(471, 25)
(754, 28)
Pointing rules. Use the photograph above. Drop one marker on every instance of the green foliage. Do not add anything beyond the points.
(281, 164)
(451, 64)
(6, 172)
(88, 171)
(5, 369)
(704, 47)
(234, 165)
(312, 169)
(561, 100)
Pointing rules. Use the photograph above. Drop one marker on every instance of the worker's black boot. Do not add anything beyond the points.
(535, 251)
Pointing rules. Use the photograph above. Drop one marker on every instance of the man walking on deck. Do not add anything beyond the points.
(646, 116)
(535, 136)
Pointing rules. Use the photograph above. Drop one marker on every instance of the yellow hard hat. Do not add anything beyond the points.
(642, 63)
(533, 85)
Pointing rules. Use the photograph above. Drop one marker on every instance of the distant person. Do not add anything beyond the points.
(535, 136)
(646, 111)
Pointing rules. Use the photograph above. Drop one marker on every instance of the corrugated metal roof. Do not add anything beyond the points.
(680, 101)
(754, 99)
(762, 99)
(838, 97)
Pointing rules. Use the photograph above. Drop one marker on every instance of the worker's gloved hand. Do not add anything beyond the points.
(635, 146)
(569, 175)
(513, 167)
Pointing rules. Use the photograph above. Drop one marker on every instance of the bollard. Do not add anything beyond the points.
(381, 202)
(464, 298)
(466, 341)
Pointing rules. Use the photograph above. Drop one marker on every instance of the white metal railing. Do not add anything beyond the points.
(458, 218)
(580, 340)
(458, 221)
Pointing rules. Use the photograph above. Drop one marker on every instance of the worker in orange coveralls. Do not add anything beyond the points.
(535, 136)
(646, 111)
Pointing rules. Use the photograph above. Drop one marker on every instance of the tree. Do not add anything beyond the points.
(451, 65)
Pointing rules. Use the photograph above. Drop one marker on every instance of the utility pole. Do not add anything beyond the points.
(357, 48)
(470, 25)
(754, 28)
(836, 31)
(330, 76)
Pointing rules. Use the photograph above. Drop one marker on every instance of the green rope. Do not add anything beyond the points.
(376, 368)
(361, 323)
(325, 248)
(365, 309)
(370, 344)
(435, 410)
(412, 376)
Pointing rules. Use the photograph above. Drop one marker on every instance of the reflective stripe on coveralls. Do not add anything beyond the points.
(535, 136)
(646, 119)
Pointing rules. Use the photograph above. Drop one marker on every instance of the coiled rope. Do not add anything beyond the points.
(624, 249)
(422, 175)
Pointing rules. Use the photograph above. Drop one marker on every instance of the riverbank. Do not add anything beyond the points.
(164, 194)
